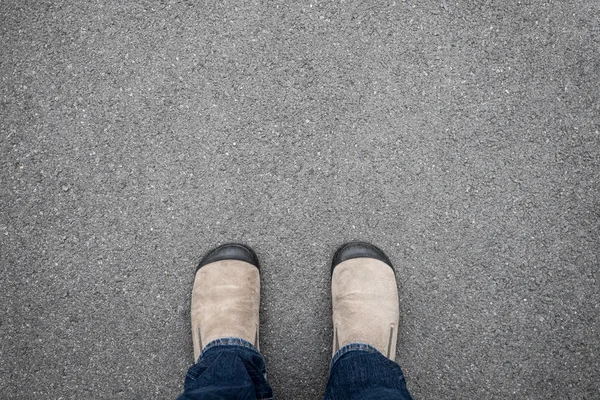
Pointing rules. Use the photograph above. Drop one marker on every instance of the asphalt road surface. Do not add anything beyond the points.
(462, 137)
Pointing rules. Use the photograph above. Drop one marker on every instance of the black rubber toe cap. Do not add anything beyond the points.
(230, 251)
(352, 250)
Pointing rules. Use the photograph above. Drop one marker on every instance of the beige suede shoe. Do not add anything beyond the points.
(365, 298)
(226, 296)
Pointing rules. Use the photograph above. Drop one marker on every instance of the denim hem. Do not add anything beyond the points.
(228, 341)
(351, 347)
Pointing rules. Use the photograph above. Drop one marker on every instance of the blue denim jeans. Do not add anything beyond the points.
(232, 368)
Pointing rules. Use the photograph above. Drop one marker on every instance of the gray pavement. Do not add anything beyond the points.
(462, 137)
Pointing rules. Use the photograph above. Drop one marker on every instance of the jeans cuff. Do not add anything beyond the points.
(228, 341)
(352, 347)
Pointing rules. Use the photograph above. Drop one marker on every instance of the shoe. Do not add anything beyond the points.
(365, 298)
(226, 296)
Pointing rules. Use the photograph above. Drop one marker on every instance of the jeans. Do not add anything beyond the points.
(232, 368)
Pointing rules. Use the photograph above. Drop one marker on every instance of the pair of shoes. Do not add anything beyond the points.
(226, 297)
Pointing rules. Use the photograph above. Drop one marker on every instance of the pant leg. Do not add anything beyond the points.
(359, 371)
(228, 368)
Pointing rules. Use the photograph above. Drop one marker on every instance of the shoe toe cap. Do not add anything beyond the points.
(230, 251)
(352, 250)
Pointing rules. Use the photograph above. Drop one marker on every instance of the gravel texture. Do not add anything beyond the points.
(462, 137)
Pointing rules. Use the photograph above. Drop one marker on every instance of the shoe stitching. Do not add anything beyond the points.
(389, 349)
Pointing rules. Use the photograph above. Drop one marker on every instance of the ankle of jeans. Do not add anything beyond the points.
(228, 341)
(352, 347)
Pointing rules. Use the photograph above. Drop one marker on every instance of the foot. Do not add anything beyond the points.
(226, 296)
(365, 298)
